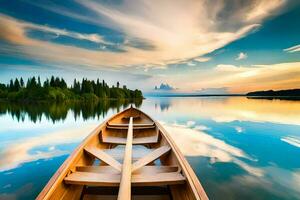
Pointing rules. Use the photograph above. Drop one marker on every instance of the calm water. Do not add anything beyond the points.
(239, 148)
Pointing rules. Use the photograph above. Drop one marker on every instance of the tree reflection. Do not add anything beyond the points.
(59, 111)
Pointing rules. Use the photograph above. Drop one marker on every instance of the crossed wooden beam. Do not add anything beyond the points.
(127, 168)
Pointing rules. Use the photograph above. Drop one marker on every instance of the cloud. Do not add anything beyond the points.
(222, 90)
(239, 129)
(292, 141)
(243, 79)
(190, 123)
(175, 31)
(241, 56)
(191, 64)
(202, 59)
(293, 49)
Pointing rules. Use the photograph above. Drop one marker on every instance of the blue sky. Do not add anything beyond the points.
(232, 46)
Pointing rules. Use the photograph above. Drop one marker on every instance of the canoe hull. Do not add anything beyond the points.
(158, 164)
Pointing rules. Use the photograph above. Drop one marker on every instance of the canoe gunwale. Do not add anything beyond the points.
(63, 170)
(186, 168)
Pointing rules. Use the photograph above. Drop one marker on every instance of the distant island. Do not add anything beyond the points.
(56, 89)
(279, 94)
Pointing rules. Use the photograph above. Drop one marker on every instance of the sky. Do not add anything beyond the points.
(194, 46)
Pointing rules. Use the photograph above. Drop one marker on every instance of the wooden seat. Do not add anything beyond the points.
(144, 170)
(114, 125)
(136, 141)
(105, 179)
(119, 126)
(134, 197)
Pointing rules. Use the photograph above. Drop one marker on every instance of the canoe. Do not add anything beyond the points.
(129, 156)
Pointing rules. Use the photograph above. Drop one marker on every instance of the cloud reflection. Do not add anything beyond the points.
(26, 150)
(193, 142)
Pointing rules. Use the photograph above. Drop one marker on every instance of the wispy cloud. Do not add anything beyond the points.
(202, 59)
(242, 79)
(293, 49)
(175, 31)
(291, 140)
(241, 56)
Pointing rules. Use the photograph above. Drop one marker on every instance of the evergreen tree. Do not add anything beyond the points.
(46, 83)
(16, 85)
(11, 85)
(52, 81)
(21, 82)
(39, 85)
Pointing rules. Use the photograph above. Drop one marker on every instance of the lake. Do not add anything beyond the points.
(239, 148)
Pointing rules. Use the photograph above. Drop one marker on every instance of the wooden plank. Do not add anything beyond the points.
(96, 179)
(114, 140)
(98, 153)
(144, 170)
(125, 127)
(98, 169)
(151, 157)
(134, 197)
(145, 140)
(125, 184)
(120, 140)
(157, 179)
(156, 169)
(93, 179)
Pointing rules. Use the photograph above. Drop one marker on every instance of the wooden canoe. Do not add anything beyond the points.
(129, 156)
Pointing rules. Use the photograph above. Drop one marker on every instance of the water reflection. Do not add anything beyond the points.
(225, 169)
(59, 111)
(43, 146)
(223, 109)
(239, 148)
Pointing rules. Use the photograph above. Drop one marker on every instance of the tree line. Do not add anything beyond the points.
(56, 89)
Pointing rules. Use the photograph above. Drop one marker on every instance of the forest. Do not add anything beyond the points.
(56, 89)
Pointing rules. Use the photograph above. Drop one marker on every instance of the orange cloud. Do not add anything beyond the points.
(177, 31)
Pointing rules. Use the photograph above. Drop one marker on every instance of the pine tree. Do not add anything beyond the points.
(16, 86)
(21, 82)
(52, 81)
(11, 85)
(39, 85)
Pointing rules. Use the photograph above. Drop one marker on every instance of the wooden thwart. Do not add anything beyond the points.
(140, 140)
(144, 170)
(112, 125)
(150, 157)
(98, 153)
(121, 126)
(100, 179)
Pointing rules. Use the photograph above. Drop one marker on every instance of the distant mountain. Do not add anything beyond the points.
(165, 87)
(272, 93)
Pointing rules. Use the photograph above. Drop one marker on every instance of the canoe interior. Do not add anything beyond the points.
(94, 169)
